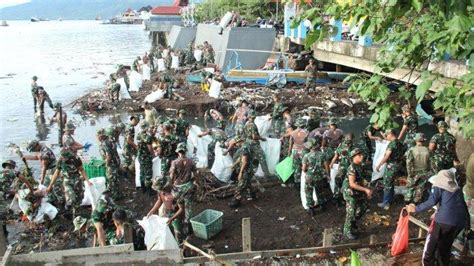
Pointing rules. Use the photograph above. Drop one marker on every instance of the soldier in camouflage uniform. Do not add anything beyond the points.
(48, 164)
(145, 157)
(253, 138)
(189, 58)
(114, 88)
(68, 140)
(122, 72)
(208, 54)
(102, 218)
(343, 155)
(166, 84)
(168, 59)
(246, 166)
(418, 168)
(108, 151)
(393, 157)
(297, 139)
(443, 149)
(129, 146)
(314, 119)
(277, 117)
(316, 177)
(366, 139)
(182, 175)
(410, 127)
(218, 135)
(70, 166)
(34, 92)
(182, 126)
(167, 152)
(353, 189)
(6, 187)
(311, 71)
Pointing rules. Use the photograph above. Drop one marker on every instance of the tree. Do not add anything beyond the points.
(250, 9)
(412, 34)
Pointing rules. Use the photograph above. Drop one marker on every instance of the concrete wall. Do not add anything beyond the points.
(180, 37)
(238, 38)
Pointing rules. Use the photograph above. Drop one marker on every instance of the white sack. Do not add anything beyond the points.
(174, 62)
(221, 167)
(263, 125)
(200, 144)
(215, 89)
(225, 20)
(20, 204)
(157, 168)
(47, 209)
(135, 81)
(137, 173)
(124, 94)
(165, 53)
(303, 193)
(155, 96)
(332, 176)
(158, 235)
(161, 65)
(146, 72)
(271, 147)
(198, 55)
(380, 147)
(93, 193)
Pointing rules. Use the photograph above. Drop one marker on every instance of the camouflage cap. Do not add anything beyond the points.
(355, 152)
(311, 143)
(57, 105)
(300, 122)
(8, 162)
(181, 147)
(349, 137)
(390, 131)
(120, 127)
(109, 132)
(100, 132)
(70, 126)
(182, 111)
(442, 124)
(252, 114)
(238, 138)
(406, 108)
(332, 122)
(79, 222)
(34, 78)
(167, 124)
(221, 124)
(31, 144)
(144, 125)
(420, 137)
(285, 109)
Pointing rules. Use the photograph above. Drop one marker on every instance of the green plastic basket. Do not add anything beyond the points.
(207, 224)
(95, 168)
(284, 169)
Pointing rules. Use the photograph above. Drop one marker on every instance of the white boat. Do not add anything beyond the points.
(34, 19)
(4, 23)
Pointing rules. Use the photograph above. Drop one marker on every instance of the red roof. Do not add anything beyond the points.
(166, 10)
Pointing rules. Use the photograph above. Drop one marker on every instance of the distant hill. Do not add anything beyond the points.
(75, 9)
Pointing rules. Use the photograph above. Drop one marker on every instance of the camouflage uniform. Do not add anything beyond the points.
(277, 120)
(46, 154)
(218, 135)
(183, 187)
(315, 178)
(356, 201)
(166, 78)
(392, 169)
(181, 127)
(177, 224)
(258, 154)
(189, 58)
(208, 55)
(366, 143)
(344, 153)
(245, 183)
(34, 93)
(6, 181)
(108, 147)
(145, 157)
(102, 213)
(411, 122)
(168, 144)
(445, 153)
(297, 155)
(314, 121)
(418, 167)
(311, 75)
(129, 152)
(69, 165)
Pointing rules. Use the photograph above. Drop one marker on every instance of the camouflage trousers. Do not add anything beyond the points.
(277, 127)
(210, 153)
(340, 175)
(409, 141)
(176, 226)
(129, 156)
(355, 209)
(73, 191)
(260, 157)
(184, 193)
(244, 184)
(297, 161)
(112, 172)
(56, 194)
(439, 163)
(321, 186)
(391, 172)
(284, 148)
(165, 169)
(416, 187)
(146, 171)
(367, 149)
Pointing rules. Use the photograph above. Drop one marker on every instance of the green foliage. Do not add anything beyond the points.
(250, 9)
(411, 34)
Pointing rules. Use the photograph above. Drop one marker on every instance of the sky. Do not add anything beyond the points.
(5, 3)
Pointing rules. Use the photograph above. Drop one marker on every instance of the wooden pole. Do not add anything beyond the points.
(246, 235)
(211, 257)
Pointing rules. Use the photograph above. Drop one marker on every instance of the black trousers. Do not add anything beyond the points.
(438, 244)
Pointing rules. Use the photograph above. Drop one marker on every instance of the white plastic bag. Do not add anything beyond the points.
(161, 65)
(271, 148)
(135, 81)
(158, 235)
(94, 192)
(157, 168)
(19, 203)
(215, 89)
(174, 62)
(155, 96)
(200, 144)
(124, 94)
(332, 175)
(380, 147)
(221, 167)
(146, 73)
(263, 125)
(303, 193)
(137, 173)
(47, 209)
(198, 55)
(225, 20)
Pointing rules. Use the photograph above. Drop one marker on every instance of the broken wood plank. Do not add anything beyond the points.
(246, 235)
(327, 237)
(419, 223)
(6, 256)
(211, 257)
